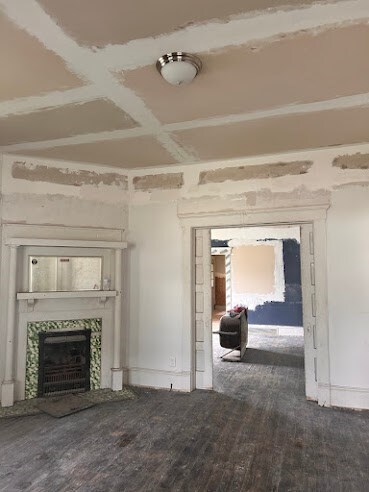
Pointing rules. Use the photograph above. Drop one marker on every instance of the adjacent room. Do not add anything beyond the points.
(258, 271)
(184, 268)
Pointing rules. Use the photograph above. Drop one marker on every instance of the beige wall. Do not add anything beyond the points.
(219, 265)
(253, 269)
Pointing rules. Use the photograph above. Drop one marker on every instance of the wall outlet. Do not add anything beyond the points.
(172, 361)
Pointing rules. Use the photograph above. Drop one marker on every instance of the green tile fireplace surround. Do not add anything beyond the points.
(32, 355)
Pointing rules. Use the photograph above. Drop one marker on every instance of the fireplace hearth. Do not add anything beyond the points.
(64, 362)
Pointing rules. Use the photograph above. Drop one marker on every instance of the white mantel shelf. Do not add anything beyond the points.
(31, 297)
(69, 243)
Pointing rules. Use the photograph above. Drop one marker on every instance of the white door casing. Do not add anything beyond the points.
(203, 309)
(203, 316)
(309, 310)
(299, 215)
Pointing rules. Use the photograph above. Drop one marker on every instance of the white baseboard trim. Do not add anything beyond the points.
(202, 381)
(347, 397)
(156, 378)
(339, 396)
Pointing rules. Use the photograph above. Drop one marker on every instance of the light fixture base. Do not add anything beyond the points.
(178, 67)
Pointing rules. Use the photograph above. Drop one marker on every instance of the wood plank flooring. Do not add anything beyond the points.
(256, 433)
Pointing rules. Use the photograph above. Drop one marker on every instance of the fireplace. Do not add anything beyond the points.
(64, 362)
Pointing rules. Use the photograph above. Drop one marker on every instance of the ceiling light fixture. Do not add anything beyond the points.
(178, 67)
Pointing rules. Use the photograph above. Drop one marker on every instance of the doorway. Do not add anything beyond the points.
(205, 296)
(264, 278)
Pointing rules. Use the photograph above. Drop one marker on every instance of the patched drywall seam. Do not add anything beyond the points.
(263, 171)
(354, 161)
(38, 172)
(158, 182)
(362, 184)
(264, 196)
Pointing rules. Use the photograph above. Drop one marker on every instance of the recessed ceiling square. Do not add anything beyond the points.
(64, 121)
(278, 134)
(28, 68)
(99, 23)
(123, 153)
(304, 68)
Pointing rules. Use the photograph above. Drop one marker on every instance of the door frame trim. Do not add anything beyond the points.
(314, 214)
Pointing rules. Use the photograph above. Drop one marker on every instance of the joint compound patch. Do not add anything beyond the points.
(354, 161)
(264, 171)
(158, 182)
(40, 172)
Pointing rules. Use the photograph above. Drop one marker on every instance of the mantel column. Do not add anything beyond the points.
(117, 371)
(7, 388)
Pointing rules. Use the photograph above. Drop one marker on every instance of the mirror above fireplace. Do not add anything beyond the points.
(64, 273)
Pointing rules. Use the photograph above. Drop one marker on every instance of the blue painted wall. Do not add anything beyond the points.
(289, 312)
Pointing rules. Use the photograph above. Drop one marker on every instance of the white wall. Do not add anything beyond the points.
(348, 291)
(156, 295)
(153, 214)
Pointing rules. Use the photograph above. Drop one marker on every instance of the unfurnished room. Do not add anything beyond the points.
(184, 237)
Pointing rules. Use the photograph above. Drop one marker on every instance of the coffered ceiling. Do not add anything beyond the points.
(78, 79)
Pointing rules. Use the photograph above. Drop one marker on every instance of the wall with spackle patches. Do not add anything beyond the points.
(42, 192)
(39, 191)
(154, 213)
(154, 341)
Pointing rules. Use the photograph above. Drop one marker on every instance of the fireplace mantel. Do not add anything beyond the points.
(15, 238)
(31, 297)
(69, 243)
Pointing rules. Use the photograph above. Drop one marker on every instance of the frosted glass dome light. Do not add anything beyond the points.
(178, 67)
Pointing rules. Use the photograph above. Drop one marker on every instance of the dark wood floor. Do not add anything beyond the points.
(256, 434)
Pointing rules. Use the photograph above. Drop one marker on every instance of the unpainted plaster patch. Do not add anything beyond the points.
(158, 181)
(354, 161)
(211, 205)
(39, 172)
(286, 198)
(363, 184)
(263, 171)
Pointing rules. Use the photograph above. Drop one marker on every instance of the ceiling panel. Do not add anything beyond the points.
(64, 121)
(27, 67)
(125, 153)
(300, 69)
(279, 134)
(99, 23)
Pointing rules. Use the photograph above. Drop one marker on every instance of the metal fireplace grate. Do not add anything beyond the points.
(64, 362)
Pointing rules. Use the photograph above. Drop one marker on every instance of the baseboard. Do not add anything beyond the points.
(340, 396)
(347, 397)
(156, 378)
